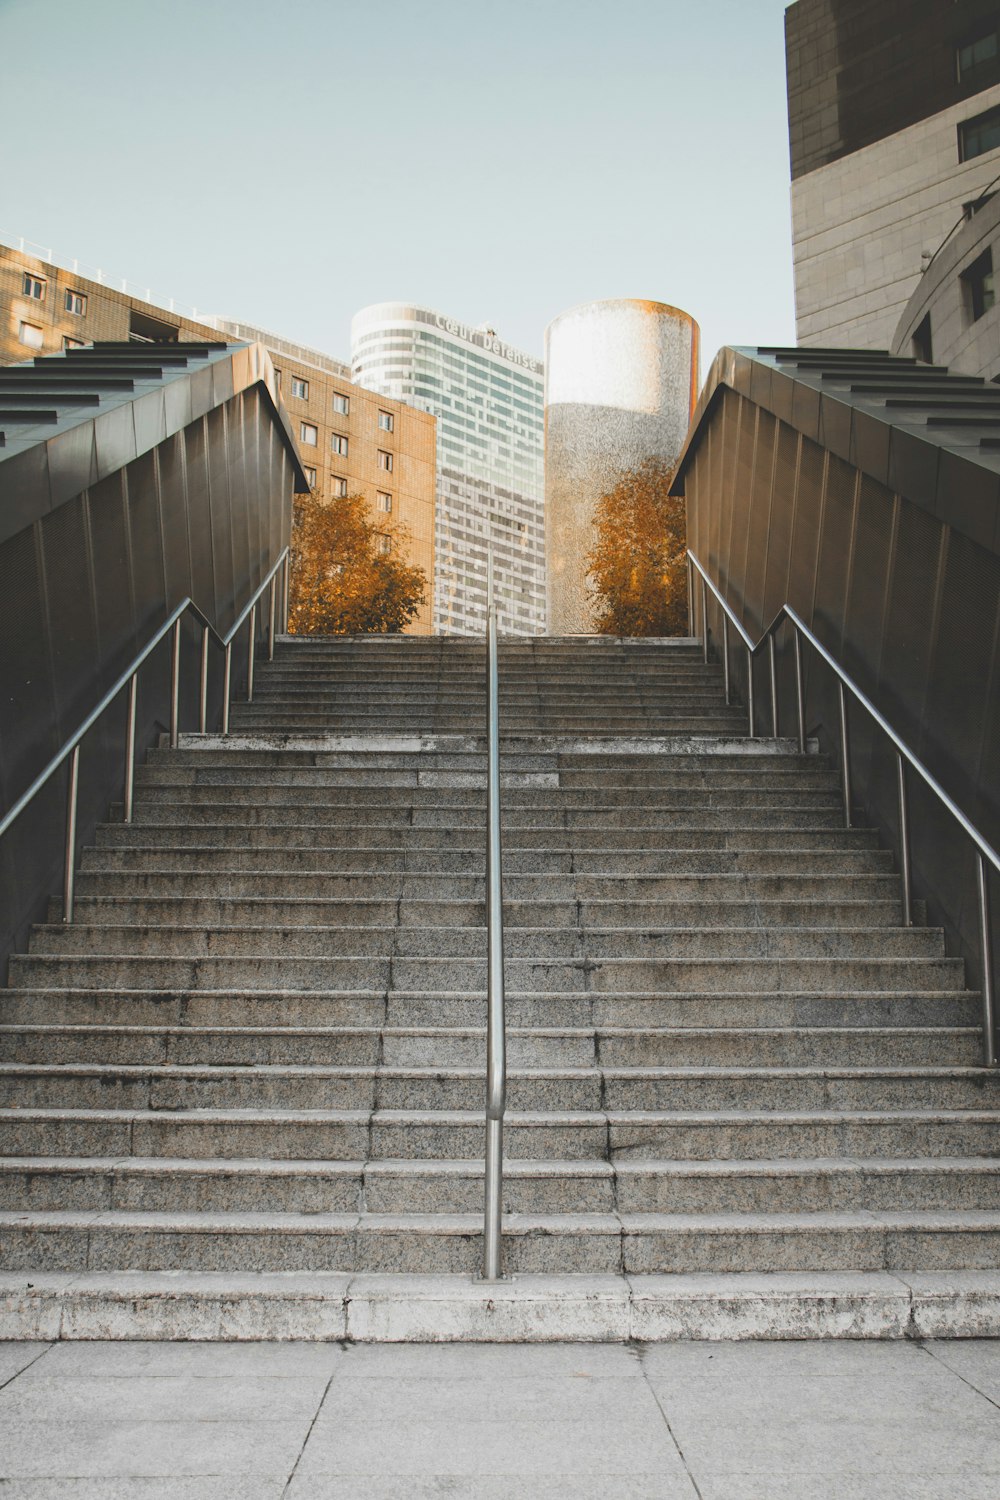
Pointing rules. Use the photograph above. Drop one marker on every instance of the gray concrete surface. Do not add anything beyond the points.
(681, 1421)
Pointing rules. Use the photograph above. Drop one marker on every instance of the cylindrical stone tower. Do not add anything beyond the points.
(621, 379)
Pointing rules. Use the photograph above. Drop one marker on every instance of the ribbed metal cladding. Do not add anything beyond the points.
(908, 603)
(205, 513)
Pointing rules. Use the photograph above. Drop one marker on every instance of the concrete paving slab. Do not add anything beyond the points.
(485, 1398)
(205, 1487)
(518, 1448)
(15, 1357)
(80, 1449)
(975, 1362)
(501, 1362)
(136, 1398)
(652, 1486)
(164, 1360)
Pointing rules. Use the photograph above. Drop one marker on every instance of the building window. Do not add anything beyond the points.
(69, 343)
(384, 545)
(977, 286)
(277, 378)
(975, 57)
(341, 404)
(30, 334)
(338, 486)
(385, 421)
(385, 460)
(921, 343)
(75, 302)
(300, 388)
(310, 476)
(977, 136)
(339, 444)
(33, 287)
(383, 501)
(308, 433)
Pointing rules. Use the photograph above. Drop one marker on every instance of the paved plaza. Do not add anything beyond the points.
(681, 1421)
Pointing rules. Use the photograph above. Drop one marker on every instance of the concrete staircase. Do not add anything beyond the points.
(242, 1094)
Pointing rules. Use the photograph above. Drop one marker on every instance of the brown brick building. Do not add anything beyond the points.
(350, 440)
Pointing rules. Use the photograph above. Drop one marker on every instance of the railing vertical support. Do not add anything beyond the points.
(250, 652)
(175, 685)
(800, 692)
(203, 683)
(751, 705)
(133, 693)
(285, 581)
(905, 862)
(725, 656)
(69, 867)
(772, 667)
(227, 677)
(845, 753)
(270, 620)
(704, 621)
(986, 948)
(496, 1040)
(690, 573)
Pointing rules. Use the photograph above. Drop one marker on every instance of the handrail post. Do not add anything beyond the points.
(175, 685)
(751, 705)
(496, 1040)
(250, 651)
(773, 670)
(690, 573)
(845, 752)
(905, 865)
(285, 581)
(725, 655)
(227, 673)
(986, 946)
(800, 691)
(133, 692)
(704, 621)
(270, 618)
(69, 867)
(203, 683)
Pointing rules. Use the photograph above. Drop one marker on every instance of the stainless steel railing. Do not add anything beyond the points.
(906, 760)
(130, 678)
(496, 1031)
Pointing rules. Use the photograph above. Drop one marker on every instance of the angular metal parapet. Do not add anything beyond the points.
(69, 420)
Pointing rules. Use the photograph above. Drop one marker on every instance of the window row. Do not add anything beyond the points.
(36, 287)
(341, 404)
(33, 336)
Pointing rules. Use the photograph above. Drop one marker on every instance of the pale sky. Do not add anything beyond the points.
(288, 163)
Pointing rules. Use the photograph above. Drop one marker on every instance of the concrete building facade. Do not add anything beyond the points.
(487, 398)
(350, 441)
(894, 128)
(621, 380)
(953, 317)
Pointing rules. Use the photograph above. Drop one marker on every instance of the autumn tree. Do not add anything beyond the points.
(637, 567)
(347, 572)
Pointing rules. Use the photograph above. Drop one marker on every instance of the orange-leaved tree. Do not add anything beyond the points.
(637, 566)
(347, 571)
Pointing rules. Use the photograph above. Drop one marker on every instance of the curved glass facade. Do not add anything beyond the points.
(488, 401)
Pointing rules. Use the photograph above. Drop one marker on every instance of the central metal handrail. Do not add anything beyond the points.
(130, 679)
(496, 1029)
(905, 758)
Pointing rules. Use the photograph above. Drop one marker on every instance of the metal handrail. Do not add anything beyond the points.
(130, 679)
(905, 758)
(496, 1032)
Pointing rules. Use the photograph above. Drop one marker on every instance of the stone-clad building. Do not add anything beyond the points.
(894, 130)
(350, 440)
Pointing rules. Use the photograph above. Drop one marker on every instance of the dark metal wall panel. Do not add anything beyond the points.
(908, 604)
(84, 587)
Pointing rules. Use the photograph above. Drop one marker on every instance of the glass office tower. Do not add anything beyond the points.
(488, 400)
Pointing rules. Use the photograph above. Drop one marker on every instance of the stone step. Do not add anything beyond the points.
(583, 1243)
(433, 806)
(465, 1047)
(26, 1086)
(608, 976)
(438, 911)
(179, 883)
(550, 944)
(288, 1008)
(528, 789)
(165, 1185)
(239, 754)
